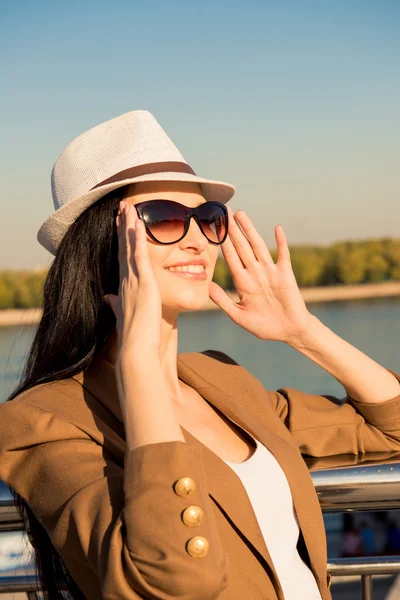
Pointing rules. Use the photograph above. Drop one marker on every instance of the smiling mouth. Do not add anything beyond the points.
(187, 269)
(193, 272)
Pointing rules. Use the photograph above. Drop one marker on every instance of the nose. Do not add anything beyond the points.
(194, 238)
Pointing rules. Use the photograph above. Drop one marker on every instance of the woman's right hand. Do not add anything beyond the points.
(147, 409)
(138, 305)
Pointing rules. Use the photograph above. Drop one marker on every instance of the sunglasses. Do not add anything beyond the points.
(167, 222)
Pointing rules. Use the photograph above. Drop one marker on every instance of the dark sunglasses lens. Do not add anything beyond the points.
(214, 222)
(165, 221)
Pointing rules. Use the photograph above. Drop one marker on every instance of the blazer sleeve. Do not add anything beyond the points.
(124, 521)
(322, 425)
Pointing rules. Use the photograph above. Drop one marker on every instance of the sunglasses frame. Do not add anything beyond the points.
(189, 214)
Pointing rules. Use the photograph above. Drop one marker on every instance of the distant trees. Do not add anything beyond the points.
(342, 263)
(370, 261)
(308, 265)
(21, 289)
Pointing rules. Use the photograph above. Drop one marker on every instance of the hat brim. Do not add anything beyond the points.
(54, 228)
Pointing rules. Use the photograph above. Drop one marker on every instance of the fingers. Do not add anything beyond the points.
(221, 299)
(124, 225)
(283, 248)
(254, 240)
(231, 256)
(141, 253)
(133, 243)
(244, 246)
(247, 242)
(240, 243)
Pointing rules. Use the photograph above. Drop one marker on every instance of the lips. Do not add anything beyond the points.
(187, 269)
(192, 271)
(188, 262)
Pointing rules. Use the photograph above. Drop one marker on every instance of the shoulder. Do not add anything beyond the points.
(42, 413)
(46, 427)
(42, 393)
(57, 397)
(213, 368)
(209, 358)
(47, 453)
(220, 357)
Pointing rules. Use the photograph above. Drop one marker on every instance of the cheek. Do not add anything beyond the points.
(158, 256)
(213, 255)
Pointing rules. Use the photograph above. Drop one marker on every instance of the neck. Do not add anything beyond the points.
(168, 355)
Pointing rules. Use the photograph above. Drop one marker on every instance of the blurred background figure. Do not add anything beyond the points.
(392, 545)
(352, 543)
(368, 539)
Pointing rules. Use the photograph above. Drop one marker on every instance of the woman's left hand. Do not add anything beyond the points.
(270, 303)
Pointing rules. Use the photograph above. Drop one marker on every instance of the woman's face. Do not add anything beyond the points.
(179, 290)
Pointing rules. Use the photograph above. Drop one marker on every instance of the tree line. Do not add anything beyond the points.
(342, 263)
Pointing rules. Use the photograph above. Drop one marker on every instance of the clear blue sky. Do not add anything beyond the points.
(296, 103)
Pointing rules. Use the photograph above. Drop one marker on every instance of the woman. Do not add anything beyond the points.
(134, 466)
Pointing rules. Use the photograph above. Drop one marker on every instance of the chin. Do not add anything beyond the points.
(187, 299)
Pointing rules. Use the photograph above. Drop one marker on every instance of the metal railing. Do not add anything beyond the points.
(347, 483)
(343, 483)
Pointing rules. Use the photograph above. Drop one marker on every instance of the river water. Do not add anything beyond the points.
(373, 326)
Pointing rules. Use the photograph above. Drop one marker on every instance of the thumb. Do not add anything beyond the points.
(112, 301)
(221, 299)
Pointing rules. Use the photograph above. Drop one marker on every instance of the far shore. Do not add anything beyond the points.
(31, 316)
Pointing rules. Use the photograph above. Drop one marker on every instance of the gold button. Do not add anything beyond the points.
(185, 486)
(198, 546)
(192, 516)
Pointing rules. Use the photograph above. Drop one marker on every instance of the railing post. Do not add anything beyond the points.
(366, 587)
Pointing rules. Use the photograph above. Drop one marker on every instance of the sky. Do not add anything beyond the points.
(296, 103)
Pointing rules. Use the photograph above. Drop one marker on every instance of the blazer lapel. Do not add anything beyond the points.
(198, 371)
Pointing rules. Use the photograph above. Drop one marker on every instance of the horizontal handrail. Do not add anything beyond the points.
(18, 583)
(367, 565)
(364, 486)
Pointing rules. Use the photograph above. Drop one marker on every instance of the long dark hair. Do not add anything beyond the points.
(76, 323)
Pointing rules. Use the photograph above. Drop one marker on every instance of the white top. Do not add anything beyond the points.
(269, 492)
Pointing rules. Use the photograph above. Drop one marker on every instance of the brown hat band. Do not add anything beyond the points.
(148, 169)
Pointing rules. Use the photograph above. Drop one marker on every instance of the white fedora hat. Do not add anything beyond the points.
(130, 148)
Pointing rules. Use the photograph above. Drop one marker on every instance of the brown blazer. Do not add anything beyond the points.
(115, 517)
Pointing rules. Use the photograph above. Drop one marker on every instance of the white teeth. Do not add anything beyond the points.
(188, 268)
